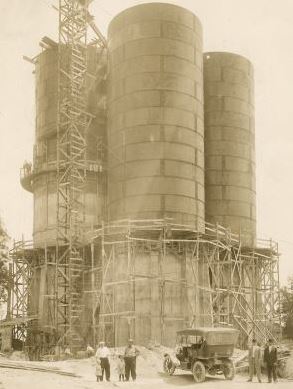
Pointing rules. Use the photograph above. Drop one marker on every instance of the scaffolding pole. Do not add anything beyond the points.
(231, 286)
(189, 279)
(73, 120)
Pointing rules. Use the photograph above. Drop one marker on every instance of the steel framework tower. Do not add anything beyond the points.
(73, 121)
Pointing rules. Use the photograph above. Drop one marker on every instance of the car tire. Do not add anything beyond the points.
(169, 367)
(199, 371)
(229, 370)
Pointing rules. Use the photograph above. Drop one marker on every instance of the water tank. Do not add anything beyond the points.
(43, 177)
(155, 115)
(229, 143)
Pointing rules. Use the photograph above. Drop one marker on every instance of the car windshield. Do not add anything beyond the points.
(188, 339)
(211, 338)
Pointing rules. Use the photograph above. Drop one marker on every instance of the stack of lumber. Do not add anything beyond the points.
(29, 366)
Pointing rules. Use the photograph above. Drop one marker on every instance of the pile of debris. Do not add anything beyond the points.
(285, 360)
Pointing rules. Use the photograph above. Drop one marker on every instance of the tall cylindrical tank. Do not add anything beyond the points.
(229, 143)
(155, 117)
(44, 186)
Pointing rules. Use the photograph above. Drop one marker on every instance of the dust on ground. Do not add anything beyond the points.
(149, 370)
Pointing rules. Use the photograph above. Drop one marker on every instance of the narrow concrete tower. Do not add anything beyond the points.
(229, 144)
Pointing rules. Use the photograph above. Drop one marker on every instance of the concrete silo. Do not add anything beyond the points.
(41, 180)
(155, 118)
(229, 144)
(155, 161)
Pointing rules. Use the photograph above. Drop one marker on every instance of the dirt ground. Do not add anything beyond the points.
(14, 379)
(149, 371)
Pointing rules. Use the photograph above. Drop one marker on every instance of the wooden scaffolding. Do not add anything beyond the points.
(221, 283)
(146, 279)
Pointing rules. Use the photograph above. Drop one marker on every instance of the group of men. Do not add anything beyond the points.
(130, 354)
(270, 357)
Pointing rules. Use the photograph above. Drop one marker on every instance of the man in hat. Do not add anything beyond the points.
(130, 354)
(271, 358)
(103, 353)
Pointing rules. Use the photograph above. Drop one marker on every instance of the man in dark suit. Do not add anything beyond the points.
(271, 358)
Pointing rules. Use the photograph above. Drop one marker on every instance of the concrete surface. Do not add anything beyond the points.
(229, 144)
(160, 308)
(155, 121)
(45, 152)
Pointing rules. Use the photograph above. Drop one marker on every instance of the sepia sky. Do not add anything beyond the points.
(261, 30)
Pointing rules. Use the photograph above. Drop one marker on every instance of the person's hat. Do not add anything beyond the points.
(101, 343)
(130, 340)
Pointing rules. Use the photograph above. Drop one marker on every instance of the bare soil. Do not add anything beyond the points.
(149, 371)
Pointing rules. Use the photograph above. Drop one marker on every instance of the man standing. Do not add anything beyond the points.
(89, 351)
(254, 358)
(130, 354)
(271, 358)
(103, 353)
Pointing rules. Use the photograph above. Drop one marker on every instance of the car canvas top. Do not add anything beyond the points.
(205, 330)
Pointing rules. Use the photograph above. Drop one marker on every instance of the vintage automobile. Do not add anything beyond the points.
(204, 351)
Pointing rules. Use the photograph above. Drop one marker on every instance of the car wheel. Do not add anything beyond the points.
(229, 369)
(169, 366)
(198, 371)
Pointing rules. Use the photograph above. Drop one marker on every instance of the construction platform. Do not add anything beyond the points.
(147, 279)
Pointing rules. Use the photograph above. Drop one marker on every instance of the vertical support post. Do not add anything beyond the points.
(92, 292)
(73, 121)
(131, 279)
(102, 293)
(162, 254)
(277, 291)
(9, 292)
(197, 281)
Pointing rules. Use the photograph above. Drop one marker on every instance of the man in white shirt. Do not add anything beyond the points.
(103, 353)
(254, 358)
